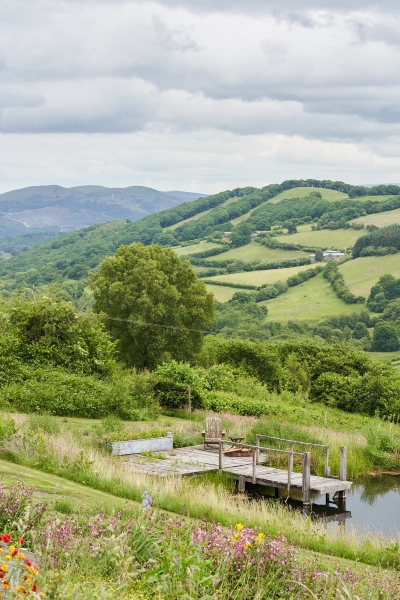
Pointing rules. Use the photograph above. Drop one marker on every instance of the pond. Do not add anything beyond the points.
(372, 504)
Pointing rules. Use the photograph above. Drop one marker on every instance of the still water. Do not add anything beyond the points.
(374, 504)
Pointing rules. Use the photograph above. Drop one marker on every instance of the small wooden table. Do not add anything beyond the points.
(236, 439)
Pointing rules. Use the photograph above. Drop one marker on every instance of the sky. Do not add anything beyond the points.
(198, 95)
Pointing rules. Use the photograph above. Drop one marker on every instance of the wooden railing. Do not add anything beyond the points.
(306, 461)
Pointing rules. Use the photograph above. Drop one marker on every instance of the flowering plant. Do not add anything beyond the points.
(17, 573)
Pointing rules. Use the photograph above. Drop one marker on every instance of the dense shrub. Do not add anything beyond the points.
(171, 382)
(65, 394)
(49, 331)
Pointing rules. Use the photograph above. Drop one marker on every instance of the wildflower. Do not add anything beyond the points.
(147, 500)
(4, 567)
(246, 546)
(34, 587)
(21, 541)
(239, 526)
(7, 538)
(21, 555)
(8, 557)
(260, 537)
(6, 585)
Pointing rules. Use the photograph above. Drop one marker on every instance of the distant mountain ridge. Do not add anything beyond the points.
(48, 208)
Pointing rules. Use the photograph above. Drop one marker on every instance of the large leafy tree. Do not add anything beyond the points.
(152, 300)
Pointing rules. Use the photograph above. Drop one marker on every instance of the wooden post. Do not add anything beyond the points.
(220, 456)
(277, 493)
(306, 479)
(241, 484)
(326, 470)
(254, 465)
(290, 466)
(189, 393)
(258, 447)
(343, 470)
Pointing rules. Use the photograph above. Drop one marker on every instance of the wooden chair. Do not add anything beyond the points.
(213, 433)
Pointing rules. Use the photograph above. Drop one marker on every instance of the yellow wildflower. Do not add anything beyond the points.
(8, 557)
(6, 586)
(4, 567)
(246, 546)
(239, 526)
(12, 548)
(21, 555)
(260, 537)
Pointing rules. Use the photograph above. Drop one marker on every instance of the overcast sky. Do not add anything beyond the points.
(198, 95)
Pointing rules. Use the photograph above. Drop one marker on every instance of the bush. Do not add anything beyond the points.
(69, 395)
(171, 381)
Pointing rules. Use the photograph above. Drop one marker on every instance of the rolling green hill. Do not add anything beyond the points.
(320, 210)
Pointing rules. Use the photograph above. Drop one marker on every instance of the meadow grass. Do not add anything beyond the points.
(333, 239)
(223, 294)
(380, 219)
(302, 192)
(360, 274)
(200, 247)
(310, 301)
(256, 251)
(268, 276)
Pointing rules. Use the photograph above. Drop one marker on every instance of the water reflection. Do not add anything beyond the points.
(374, 503)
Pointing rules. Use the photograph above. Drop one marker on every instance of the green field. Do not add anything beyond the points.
(302, 192)
(200, 247)
(362, 273)
(256, 251)
(310, 301)
(223, 294)
(260, 277)
(380, 219)
(335, 239)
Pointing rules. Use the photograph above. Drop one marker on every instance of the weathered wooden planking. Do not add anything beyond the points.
(194, 460)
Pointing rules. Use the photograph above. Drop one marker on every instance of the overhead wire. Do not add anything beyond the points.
(188, 329)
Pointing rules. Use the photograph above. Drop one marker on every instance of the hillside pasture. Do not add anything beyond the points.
(362, 273)
(222, 293)
(310, 301)
(302, 192)
(260, 277)
(380, 219)
(193, 248)
(256, 251)
(335, 239)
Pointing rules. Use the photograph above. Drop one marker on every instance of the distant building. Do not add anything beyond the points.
(333, 254)
(329, 254)
(226, 234)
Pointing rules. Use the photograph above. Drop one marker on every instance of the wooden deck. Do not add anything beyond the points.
(194, 460)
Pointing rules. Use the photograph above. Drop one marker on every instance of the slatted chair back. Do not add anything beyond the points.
(213, 427)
